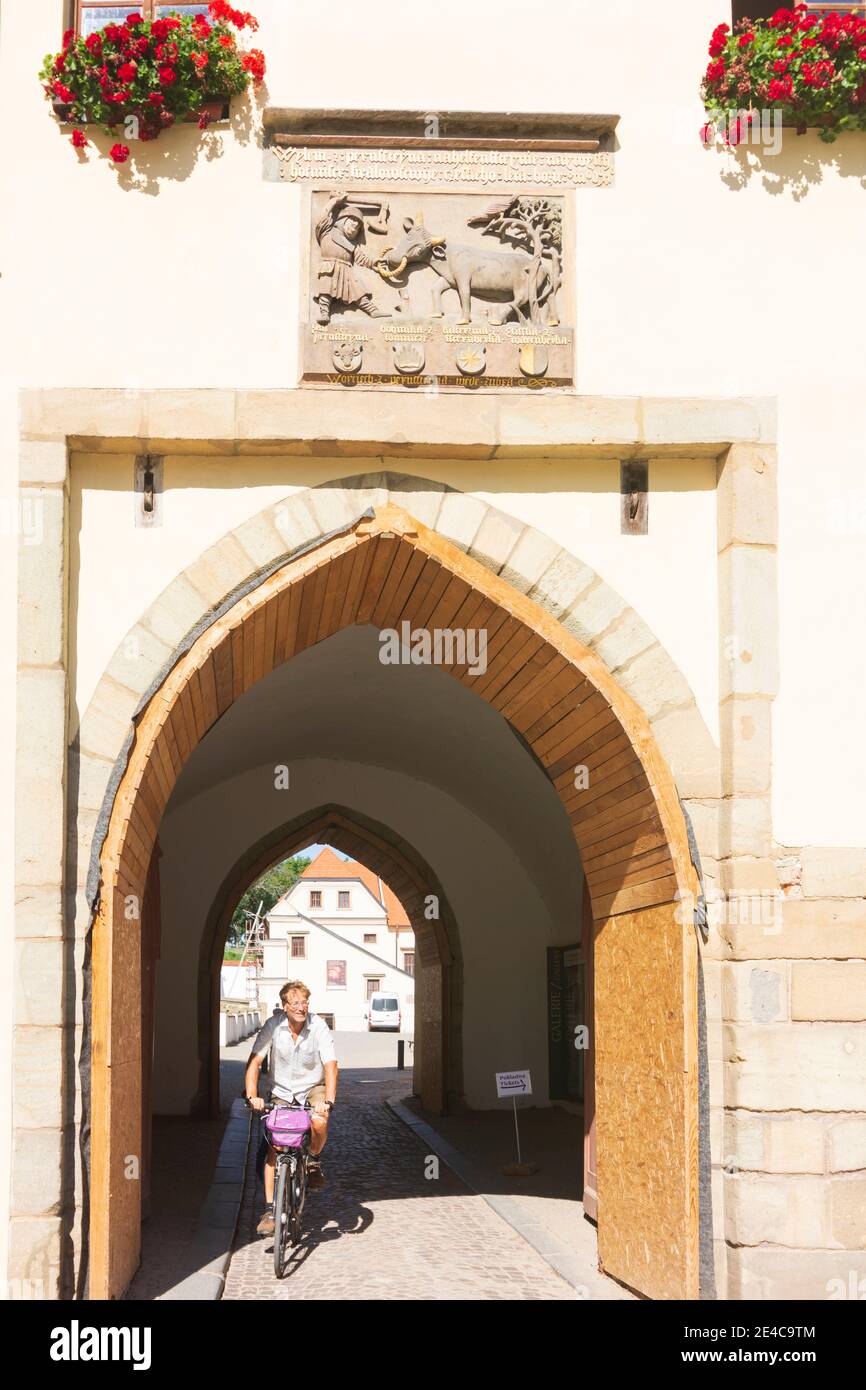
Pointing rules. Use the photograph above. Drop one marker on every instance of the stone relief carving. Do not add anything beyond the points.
(464, 287)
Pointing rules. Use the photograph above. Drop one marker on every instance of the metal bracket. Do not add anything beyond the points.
(148, 489)
(634, 500)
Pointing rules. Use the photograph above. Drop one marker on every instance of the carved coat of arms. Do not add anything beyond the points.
(534, 359)
(409, 357)
(347, 356)
(472, 359)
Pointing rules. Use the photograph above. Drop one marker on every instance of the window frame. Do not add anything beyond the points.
(375, 980)
(409, 956)
(370, 938)
(347, 905)
(302, 942)
(315, 898)
(344, 972)
(742, 8)
(148, 9)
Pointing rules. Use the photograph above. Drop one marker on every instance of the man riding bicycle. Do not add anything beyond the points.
(304, 1070)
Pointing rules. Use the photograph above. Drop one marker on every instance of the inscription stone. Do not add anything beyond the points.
(429, 263)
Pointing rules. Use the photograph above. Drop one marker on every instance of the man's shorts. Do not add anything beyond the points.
(314, 1095)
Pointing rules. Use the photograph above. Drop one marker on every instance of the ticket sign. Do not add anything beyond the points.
(513, 1083)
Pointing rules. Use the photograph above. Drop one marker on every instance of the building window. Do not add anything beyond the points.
(374, 984)
(343, 899)
(90, 16)
(315, 897)
(765, 9)
(299, 948)
(336, 975)
(369, 938)
(409, 962)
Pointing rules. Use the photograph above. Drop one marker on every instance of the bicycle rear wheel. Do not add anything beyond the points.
(282, 1216)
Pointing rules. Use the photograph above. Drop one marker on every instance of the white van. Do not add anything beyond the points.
(383, 1011)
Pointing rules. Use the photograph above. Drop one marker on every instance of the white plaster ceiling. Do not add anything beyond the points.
(338, 701)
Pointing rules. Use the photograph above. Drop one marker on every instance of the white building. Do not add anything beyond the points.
(343, 932)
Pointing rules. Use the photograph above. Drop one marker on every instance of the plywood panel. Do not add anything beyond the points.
(647, 1182)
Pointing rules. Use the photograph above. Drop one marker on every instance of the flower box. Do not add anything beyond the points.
(810, 67)
(155, 73)
(217, 109)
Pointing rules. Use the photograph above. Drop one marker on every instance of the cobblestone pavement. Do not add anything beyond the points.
(380, 1229)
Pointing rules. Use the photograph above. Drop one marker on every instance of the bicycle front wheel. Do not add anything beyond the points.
(299, 1192)
(282, 1216)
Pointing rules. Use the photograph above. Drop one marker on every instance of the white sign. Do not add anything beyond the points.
(513, 1083)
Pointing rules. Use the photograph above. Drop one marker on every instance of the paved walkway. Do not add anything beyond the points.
(381, 1229)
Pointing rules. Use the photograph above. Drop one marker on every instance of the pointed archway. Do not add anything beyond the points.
(438, 1058)
(625, 815)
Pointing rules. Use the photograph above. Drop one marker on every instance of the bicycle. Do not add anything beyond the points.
(290, 1181)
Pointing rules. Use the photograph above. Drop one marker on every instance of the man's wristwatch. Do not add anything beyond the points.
(330, 1104)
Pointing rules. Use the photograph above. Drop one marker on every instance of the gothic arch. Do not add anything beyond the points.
(438, 1055)
(345, 553)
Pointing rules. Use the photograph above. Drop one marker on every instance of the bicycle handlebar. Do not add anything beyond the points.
(271, 1105)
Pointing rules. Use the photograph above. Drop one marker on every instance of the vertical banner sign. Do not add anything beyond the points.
(566, 1010)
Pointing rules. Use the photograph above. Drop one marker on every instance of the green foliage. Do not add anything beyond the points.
(272, 886)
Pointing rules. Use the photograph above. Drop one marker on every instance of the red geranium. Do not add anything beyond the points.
(167, 76)
(63, 93)
(156, 98)
(119, 153)
(719, 39)
(126, 72)
(68, 37)
(781, 89)
(239, 18)
(79, 139)
(200, 60)
(254, 63)
(200, 27)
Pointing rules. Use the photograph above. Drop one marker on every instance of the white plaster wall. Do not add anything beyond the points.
(505, 928)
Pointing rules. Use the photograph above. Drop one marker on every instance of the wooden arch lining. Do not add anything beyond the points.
(410, 878)
(627, 822)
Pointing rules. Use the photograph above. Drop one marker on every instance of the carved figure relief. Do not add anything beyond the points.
(340, 232)
(469, 291)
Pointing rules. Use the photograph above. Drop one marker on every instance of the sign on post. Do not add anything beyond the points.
(513, 1083)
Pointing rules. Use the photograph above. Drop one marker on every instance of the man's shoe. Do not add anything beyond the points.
(315, 1176)
(266, 1226)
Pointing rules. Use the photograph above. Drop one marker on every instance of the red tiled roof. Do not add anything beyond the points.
(328, 865)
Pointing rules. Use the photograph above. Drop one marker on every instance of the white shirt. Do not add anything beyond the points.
(297, 1065)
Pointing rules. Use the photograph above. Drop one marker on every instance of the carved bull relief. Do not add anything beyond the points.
(422, 276)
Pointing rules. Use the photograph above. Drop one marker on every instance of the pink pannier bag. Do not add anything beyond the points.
(286, 1128)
